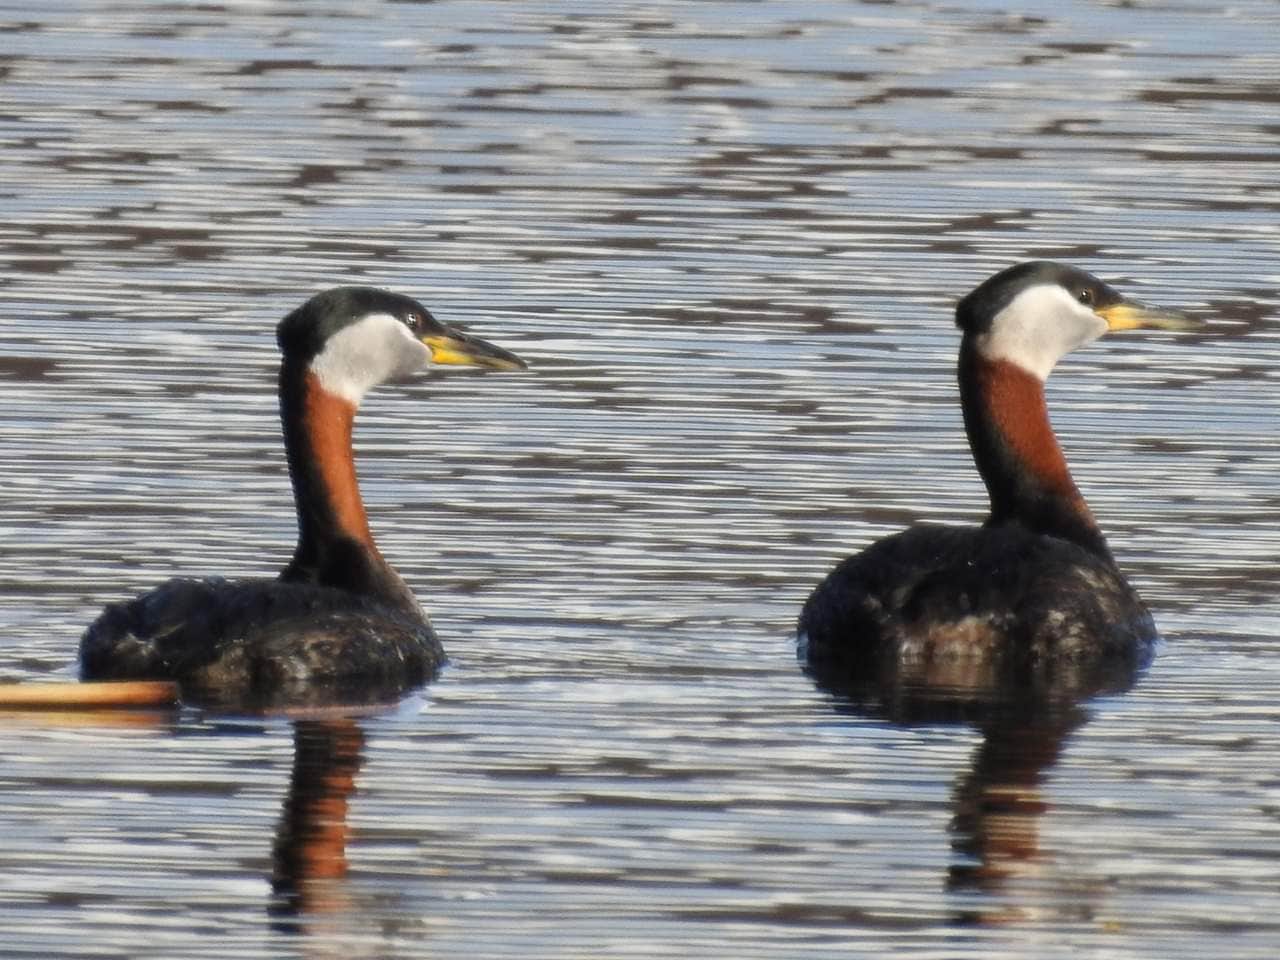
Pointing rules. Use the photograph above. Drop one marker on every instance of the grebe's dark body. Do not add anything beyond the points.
(1034, 596)
(996, 612)
(263, 643)
(338, 624)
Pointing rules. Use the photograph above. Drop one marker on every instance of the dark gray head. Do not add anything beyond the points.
(304, 332)
(1034, 313)
(354, 338)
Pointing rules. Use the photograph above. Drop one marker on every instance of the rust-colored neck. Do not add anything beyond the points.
(1017, 453)
(335, 547)
(328, 422)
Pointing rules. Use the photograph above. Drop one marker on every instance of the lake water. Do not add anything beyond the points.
(728, 237)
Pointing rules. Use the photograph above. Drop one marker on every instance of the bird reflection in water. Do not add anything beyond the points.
(1026, 720)
(310, 854)
(998, 806)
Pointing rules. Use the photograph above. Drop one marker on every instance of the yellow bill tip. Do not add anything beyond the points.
(1131, 315)
(460, 349)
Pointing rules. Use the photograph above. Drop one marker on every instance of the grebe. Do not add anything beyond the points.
(338, 624)
(1034, 592)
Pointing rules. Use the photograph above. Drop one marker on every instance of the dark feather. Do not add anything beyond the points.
(262, 642)
(984, 606)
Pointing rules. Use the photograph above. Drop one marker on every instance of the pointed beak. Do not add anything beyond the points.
(457, 348)
(1131, 315)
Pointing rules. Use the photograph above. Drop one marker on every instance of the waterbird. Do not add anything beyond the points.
(1034, 595)
(338, 624)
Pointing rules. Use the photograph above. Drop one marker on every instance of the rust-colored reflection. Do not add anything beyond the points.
(998, 805)
(310, 853)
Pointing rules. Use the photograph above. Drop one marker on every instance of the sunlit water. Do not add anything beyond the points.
(728, 237)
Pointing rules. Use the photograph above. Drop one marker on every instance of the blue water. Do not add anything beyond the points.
(728, 236)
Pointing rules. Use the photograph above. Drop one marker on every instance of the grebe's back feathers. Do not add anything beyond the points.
(245, 636)
(932, 593)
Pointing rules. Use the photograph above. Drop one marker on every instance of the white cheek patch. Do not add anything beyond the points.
(363, 354)
(1038, 328)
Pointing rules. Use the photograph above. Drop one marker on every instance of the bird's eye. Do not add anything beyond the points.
(413, 321)
(1085, 296)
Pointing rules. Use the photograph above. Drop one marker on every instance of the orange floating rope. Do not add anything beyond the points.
(124, 693)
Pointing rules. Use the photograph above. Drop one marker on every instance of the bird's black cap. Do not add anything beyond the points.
(980, 306)
(302, 334)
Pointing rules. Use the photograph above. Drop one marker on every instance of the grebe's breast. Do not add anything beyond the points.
(263, 643)
(1001, 597)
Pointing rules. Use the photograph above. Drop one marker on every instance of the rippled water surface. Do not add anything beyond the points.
(728, 237)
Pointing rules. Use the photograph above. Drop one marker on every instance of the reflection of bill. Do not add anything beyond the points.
(310, 853)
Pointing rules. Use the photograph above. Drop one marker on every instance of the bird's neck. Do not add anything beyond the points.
(335, 546)
(1018, 455)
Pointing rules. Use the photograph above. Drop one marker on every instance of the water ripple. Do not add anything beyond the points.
(728, 236)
